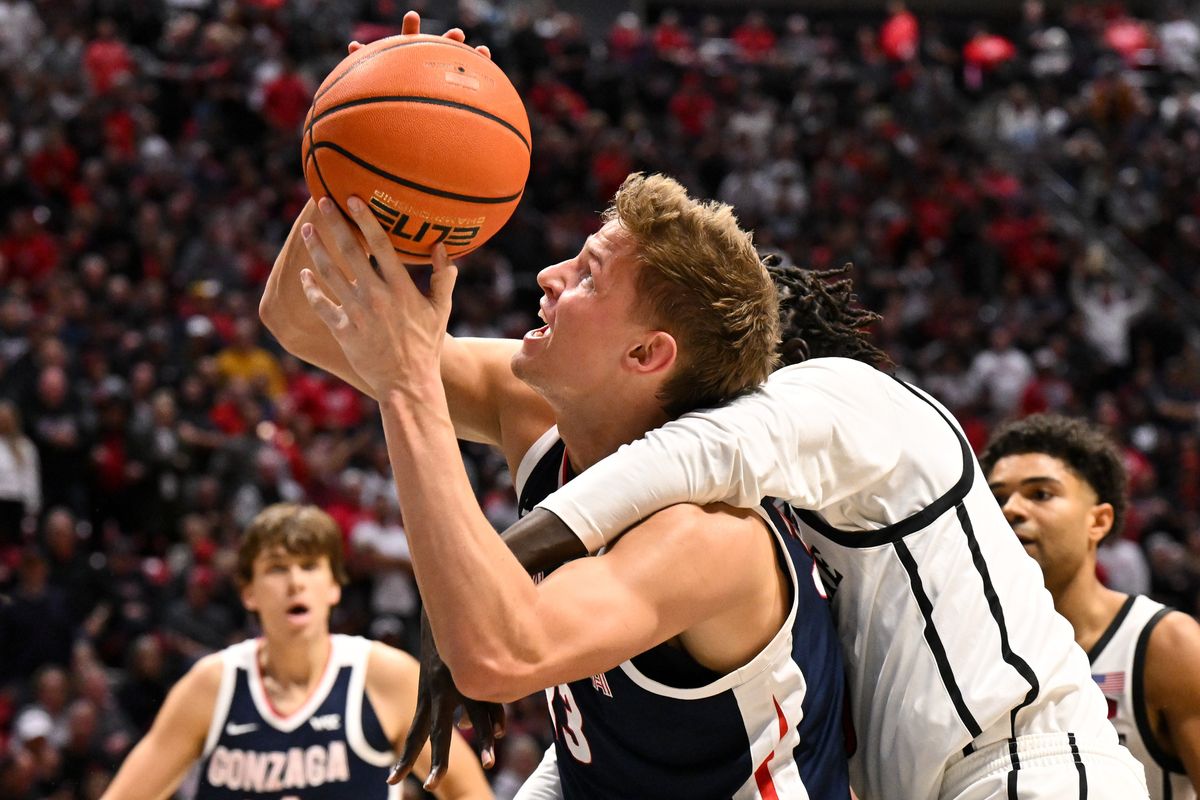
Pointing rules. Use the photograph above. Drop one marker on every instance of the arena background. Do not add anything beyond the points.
(1023, 210)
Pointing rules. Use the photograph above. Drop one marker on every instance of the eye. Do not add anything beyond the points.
(309, 566)
(1041, 495)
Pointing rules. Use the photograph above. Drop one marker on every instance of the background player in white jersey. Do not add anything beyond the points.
(299, 712)
(666, 307)
(1061, 484)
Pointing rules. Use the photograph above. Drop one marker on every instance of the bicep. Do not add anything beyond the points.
(665, 575)
(1177, 691)
(488, 403)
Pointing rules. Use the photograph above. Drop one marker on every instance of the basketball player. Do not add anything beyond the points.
(696, 657)
(1061, 485)
(964, 683)
(299, 712)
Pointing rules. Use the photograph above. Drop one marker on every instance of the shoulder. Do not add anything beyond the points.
(203, 680)
(389, 668)
(1173, 641)
(715, 537)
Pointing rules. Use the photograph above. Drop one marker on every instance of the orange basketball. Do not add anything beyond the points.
(429, 133)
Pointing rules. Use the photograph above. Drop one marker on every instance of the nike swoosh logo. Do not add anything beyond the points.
(234, 729)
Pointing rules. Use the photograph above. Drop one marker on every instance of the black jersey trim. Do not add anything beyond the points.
(934, 641)
(1141, 714)
(1168, 791)
(543, 474)
(1079, 767)
(997, 611)
(1016, 768)
(1111, 630)
(923, 518)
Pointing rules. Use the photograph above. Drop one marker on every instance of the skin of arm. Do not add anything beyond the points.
(504, 637)
(391, 685)
(1173, 688)
(156, 766)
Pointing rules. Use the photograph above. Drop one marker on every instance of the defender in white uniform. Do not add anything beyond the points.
(963, 680)
(1062, 484)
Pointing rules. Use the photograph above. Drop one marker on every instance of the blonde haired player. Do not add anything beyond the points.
(298, 712)
(1061, 484)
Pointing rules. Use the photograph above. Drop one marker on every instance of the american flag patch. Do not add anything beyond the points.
(600, 684)
(1112, 684)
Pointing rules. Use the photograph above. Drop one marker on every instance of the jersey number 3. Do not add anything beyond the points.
(571, 729)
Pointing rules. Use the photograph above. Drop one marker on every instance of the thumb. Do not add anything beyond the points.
(445, 273)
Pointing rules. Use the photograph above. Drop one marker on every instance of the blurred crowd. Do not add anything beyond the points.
(149, 172)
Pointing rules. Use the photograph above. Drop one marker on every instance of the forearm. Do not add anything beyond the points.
(285, 312)
(449, 537)
(541, 541)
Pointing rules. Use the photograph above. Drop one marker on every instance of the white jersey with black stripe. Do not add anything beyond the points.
(1118, 668)
(951, 640)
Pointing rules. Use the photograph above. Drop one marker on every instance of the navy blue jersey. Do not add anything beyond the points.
(331, 747)
(662, 726)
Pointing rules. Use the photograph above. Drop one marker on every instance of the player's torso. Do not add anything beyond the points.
(662, 726)
(950, 639)
(1118, 668)
(333, 746)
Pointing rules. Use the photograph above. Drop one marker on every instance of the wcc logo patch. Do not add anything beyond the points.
(408, 223)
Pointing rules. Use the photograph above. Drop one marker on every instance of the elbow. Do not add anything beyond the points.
(276, 320)
(491, 678)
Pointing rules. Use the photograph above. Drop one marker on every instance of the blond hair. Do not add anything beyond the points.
(299, 530)
(701, 281)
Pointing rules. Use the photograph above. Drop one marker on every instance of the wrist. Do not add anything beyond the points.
(411, 389)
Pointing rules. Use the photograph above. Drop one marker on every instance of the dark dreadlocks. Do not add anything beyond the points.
(817, 316)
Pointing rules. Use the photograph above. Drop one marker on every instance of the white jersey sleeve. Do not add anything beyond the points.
(813, 434)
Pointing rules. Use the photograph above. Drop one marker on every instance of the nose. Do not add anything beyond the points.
(1013, 509)
(550, 280)
(295, 577)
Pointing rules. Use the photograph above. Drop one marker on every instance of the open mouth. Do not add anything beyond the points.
(540, 333)
(297, 611)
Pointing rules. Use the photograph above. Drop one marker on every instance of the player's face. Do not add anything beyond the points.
(1053, 512)
(588, 306)
(292, 594)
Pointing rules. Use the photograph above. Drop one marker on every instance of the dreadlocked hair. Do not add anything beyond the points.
(818, 318)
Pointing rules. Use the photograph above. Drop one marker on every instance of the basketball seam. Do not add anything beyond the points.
(435, 101)
(321, 92)
(402, 181)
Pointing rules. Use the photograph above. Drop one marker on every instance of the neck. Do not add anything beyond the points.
(295, 661)
(1087, 604)
(596, 433)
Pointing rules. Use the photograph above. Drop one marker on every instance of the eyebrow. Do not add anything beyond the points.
(1028, 481)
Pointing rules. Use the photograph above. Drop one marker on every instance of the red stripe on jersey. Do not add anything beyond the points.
(762, 775)
(766, 785)
(783, 726)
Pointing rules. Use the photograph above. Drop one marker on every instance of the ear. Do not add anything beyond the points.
(335, 594)
(1100, 522)
(247, 592)
(655, 353)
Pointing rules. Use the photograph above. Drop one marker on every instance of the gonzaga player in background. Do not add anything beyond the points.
(299, 712)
